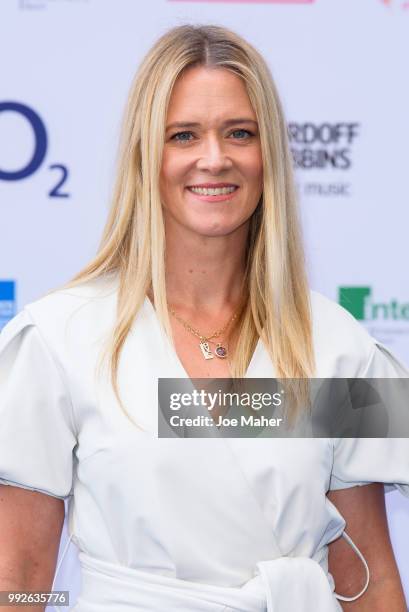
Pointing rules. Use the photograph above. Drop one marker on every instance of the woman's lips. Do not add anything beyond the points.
(214, 198)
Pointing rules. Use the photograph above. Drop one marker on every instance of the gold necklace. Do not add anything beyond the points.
(220, 350)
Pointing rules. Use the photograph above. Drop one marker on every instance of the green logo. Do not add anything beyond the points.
(358, 301)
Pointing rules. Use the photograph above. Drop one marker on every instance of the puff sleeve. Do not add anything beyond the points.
(37, 431)
(360, 461)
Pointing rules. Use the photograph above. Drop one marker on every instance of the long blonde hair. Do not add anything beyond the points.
(133, 241)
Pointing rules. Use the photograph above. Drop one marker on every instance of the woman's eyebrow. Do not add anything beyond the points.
(191, 124)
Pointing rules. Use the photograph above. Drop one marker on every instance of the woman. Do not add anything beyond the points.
(199, 274)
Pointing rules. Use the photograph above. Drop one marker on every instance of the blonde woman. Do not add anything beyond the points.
(200, 273)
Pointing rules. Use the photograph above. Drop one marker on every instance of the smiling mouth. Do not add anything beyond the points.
(213, 191)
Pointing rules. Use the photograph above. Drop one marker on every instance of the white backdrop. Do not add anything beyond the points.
(341, 68)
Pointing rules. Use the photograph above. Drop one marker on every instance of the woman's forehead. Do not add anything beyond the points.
(201, 92)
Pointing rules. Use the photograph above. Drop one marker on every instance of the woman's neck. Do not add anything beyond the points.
(207, 273)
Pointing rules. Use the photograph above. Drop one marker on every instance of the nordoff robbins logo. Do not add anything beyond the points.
(360, 303)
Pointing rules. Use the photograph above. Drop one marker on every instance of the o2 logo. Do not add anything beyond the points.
(40, 149)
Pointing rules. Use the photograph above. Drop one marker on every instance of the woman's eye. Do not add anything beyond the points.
(181, 134)
(243, 131)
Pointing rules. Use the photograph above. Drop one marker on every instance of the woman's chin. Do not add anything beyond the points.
(202, 225)
(214, 230)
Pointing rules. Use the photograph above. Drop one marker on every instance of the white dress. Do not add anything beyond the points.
(182, 525)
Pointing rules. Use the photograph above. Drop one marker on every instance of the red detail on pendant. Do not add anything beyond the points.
(221, 351)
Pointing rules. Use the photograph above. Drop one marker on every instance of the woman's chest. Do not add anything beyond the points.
(239, 491)
(228, 480)
(122, 443)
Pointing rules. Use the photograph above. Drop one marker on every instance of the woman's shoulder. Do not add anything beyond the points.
(84, 310)
(343, 347)
(91, 295)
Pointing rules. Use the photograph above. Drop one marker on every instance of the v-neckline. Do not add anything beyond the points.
(257, 354)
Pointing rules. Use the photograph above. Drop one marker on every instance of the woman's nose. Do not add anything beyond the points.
(213, 157)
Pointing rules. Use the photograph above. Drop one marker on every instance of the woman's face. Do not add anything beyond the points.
(216, 145)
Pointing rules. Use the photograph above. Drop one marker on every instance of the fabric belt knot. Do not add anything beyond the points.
(292, 583)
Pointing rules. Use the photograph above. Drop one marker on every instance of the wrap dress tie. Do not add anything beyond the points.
(281, 584)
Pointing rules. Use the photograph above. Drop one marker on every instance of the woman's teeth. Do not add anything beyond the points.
(212, 191)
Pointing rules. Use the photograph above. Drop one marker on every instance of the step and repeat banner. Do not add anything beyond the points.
(342, 69)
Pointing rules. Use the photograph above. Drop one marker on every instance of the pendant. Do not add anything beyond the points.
(204, 345)
(220, 351)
